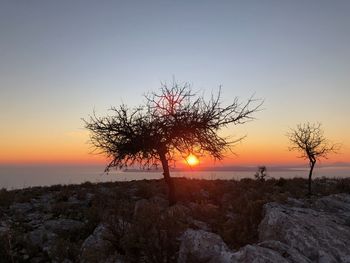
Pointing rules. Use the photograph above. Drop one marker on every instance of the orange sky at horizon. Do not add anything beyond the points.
(73, 148)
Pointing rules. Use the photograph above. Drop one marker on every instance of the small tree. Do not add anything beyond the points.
(173, 121)
(261, 174)
(309, 140)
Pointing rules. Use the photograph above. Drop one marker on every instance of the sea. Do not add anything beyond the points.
(23, 176)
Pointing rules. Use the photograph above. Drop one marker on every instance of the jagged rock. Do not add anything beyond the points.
(301, 231)
(257, 254)
(96, 248)
(319, 232)
(338, 203)
(290, 254)
(202, 246)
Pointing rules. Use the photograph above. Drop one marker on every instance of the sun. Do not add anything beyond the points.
(192, 160)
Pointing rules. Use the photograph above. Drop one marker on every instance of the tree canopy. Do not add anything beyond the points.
(309, 140)
(173, 121)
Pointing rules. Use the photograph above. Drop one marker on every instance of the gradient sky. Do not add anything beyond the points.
(60, 60)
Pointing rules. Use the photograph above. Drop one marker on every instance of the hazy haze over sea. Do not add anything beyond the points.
(21, 176)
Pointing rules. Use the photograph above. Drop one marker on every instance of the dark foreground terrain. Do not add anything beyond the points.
(213, 221)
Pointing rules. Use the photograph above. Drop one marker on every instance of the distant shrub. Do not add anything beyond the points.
(261, 174)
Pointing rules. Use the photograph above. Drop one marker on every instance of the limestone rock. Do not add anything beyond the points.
(95, 248)
(202, 246)
(318, 231)
(290, 254)
(257, 254)
(301, 231)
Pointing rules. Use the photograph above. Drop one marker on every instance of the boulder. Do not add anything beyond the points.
(96, 248)
(202, 246)
(257, 254)
(290, 254)
(317, 229)
(338, 204)
(300, 231)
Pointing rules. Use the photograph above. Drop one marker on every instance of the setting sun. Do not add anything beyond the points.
(192, 160)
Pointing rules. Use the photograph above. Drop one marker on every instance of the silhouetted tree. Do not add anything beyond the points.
(171, 122)
(261, 174)
(309, 140)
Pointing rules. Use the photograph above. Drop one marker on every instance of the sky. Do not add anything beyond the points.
(62, 60)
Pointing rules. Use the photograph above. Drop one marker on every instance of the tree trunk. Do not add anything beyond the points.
(169, 181)
(312, 165)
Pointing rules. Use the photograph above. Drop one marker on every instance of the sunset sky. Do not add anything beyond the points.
(60, 60)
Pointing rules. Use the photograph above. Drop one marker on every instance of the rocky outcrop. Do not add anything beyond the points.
(97, 248)
(300, 231)
(289, 254)
(202, 246)
(67, 224)
(319, 230)
(259, 254)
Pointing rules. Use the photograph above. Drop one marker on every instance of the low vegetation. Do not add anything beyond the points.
(140, 224)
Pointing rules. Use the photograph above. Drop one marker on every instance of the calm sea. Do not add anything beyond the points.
(14, 177)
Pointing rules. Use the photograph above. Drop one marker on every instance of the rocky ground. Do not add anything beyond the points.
(298, 231)
(214, 221)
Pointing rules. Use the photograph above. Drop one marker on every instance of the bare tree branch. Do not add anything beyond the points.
(309, 140)
(175, 120)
